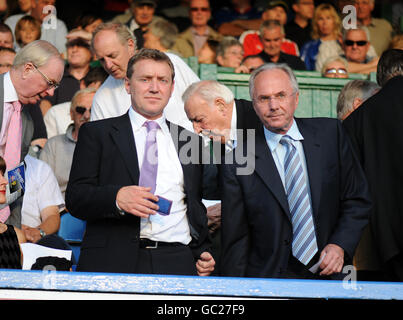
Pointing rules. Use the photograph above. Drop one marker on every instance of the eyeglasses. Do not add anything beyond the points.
(51, 83)
(81, 110)
(203, 9)
(279, 97)
(359, 43)
(335, 71)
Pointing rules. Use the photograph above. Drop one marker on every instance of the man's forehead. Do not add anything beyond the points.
(142, 67)
(277, 79)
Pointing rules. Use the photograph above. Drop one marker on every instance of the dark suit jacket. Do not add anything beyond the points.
(105, 160)
(27, 136)
(256, 221)
(246, 119)
(376, 133)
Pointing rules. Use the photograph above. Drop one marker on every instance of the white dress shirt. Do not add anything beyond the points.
(41, 191)
(57, 119)
(112, 100)
(170, 184)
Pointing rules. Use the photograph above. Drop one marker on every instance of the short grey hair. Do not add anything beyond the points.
(80, 93)
(363, 28)
(270, 25)
(38, 52)
(165, 30)
(332, 59)
(273, 66)
(208, 90)
(362, 89)
(123, 32)
(225, 43)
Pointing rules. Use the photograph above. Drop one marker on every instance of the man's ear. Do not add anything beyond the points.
(356, 103)
(27, 69)
(127, 85)
(220, 60)
(221, 105)
(131, 47)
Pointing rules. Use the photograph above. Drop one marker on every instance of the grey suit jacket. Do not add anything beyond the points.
(27, 134)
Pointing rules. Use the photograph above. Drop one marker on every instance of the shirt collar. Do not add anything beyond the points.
(273, 139)
(206, 33)
(10, 94)
(137, 121)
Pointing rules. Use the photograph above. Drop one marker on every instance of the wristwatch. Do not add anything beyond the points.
(42, 233)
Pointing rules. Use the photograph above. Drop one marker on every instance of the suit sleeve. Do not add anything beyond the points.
(85, 198)
(355, 200)
(234, 225)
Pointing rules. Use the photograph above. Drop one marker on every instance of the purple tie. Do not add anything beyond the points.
(149, 168)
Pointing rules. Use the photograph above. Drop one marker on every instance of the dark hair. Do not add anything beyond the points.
(31, 20)
(86, 19)
(149, 54)
(5, 28)
(390, 65)
(3, 165)
(94, 75)
(53, 263)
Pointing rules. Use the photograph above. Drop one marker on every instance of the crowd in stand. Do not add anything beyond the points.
(59, 84)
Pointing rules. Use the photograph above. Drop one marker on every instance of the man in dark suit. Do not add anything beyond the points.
(219, 117)
(109, 188)
(376, 133)
(37, 69)
(307, 200)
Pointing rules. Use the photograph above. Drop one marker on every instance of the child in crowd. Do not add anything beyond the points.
(27, 29)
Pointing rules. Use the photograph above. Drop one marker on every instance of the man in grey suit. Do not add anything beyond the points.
(36, 72)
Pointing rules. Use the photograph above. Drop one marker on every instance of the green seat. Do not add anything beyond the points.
(318, 95)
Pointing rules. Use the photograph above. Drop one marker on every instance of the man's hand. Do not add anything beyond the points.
(214, 217)
(205, 264)
(333, 261)
(31, 234)
(136, 200)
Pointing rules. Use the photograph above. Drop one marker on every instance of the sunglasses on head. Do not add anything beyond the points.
(359, 43)
(81, 110)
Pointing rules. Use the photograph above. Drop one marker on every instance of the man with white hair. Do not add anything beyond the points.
(113, 44)
(36, 72)
(58, 151)
(301, 212)
(356, 44)
(353, 94)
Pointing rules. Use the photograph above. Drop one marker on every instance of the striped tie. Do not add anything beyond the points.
(304, 244)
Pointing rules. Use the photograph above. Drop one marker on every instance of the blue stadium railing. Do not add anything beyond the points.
(186, 286)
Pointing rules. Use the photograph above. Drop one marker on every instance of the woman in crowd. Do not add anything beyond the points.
(326, 28)
(10, 237)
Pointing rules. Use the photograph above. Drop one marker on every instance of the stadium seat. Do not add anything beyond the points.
(72, 230)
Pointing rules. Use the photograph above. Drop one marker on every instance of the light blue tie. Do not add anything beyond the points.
(304, 244)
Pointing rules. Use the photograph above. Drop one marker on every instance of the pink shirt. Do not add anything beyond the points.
(9, 95)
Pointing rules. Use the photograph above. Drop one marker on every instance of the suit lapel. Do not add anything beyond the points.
(312, 152)
(122, 135)
(267, 170)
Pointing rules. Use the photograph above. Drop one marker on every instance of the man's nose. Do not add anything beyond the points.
(50, 91)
